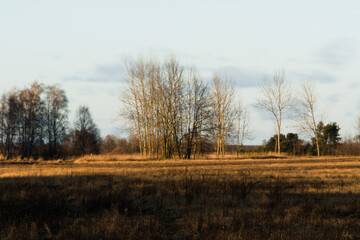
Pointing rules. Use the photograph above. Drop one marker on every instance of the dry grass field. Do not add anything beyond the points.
(128, 197)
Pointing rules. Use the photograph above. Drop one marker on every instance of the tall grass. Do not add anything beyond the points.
(116, 197)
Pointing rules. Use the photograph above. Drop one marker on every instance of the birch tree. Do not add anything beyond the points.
(31, 116)
(56, 118)
(308, 114)
(131, 98)
(197, 113)
(223, 112)
(9, 122)
(242, 126)
(277, 99)
(357, 129)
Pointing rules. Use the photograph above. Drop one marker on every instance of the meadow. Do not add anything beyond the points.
(130, 197)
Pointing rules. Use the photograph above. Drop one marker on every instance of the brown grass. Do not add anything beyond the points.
(129, 197)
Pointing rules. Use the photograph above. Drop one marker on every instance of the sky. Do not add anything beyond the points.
(82, 45)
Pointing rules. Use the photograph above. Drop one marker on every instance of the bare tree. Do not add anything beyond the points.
(3, 110)
(56, 115)
(10, 120)
(153, 74)
(242, 126)
(357, 129)
(131, 99)
(197, 114)
(308, 121)
(223, 112)
(277, 99)
(31, 116)
(142, 103)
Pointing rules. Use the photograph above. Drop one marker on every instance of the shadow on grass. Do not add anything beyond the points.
(185, 207)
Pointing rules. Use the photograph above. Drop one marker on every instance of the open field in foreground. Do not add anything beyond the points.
(127, 197)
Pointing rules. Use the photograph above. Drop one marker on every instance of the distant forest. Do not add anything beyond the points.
(170, 112)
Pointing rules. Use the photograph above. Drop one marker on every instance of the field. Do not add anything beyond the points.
(128, 197)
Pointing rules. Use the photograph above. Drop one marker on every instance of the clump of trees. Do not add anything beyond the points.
(280, 100)
(173, 111)
(291, 144)
(34, 123)
(328, 138)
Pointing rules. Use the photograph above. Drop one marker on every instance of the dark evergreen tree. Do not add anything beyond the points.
(291, 144)
(329, 137)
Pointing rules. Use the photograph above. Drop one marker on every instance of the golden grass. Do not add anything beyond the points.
(127, 196)
(291, 168)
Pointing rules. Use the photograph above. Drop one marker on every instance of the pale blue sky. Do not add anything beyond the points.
(82, 45)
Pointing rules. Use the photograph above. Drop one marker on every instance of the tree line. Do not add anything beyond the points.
(34, 123)
(174, 113)
(171, 112)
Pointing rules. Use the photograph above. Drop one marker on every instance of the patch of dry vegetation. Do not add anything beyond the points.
(128, 197)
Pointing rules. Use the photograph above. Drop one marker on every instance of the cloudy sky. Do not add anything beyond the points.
(82, 46)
